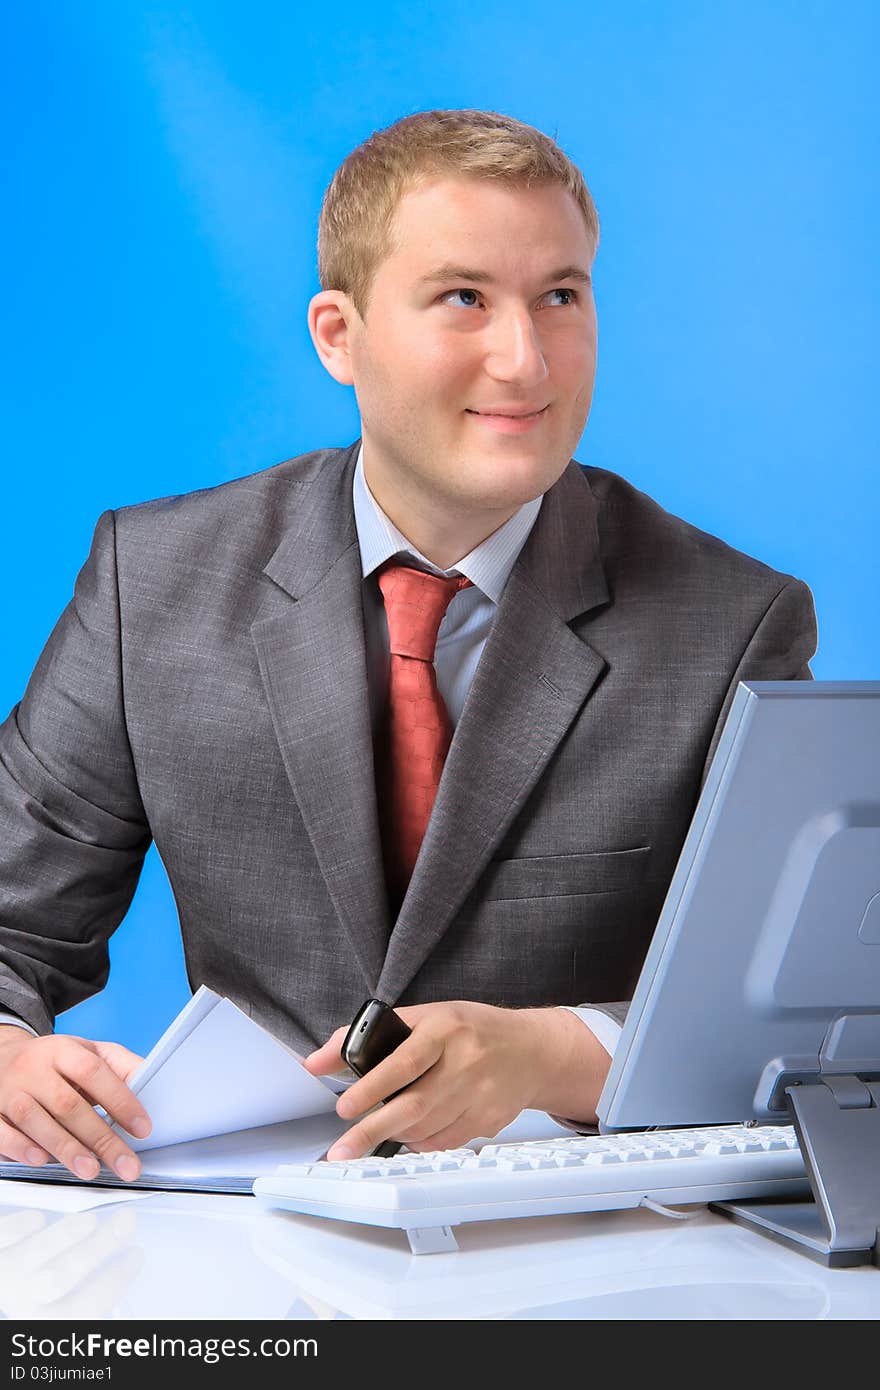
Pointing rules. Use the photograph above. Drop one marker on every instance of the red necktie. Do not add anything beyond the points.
(417, 731)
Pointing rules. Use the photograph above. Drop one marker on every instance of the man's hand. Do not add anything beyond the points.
(48, 1089)
(469, 1069)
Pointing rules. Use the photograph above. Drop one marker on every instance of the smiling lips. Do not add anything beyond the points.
(515, 423)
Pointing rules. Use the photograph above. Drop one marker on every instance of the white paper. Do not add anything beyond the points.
(190, 1016)
(216, 1072)
(247, 1154)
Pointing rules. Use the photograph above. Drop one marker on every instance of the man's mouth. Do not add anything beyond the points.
(512, 414)
(513, 421)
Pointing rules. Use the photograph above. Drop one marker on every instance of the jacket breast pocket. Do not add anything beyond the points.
(564, 875)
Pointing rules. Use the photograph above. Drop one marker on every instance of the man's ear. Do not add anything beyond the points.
(331, 319)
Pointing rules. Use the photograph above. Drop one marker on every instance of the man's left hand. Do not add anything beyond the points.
(468, 1069)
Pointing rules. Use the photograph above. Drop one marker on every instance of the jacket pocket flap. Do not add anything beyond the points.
(544, 876)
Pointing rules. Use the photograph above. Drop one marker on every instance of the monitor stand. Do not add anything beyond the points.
(837, 1119)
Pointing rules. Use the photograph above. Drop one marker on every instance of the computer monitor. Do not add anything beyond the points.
(759, 999)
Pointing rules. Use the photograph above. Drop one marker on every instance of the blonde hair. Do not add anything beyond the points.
(354, 228)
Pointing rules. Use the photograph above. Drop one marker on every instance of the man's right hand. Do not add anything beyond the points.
(48, 1090)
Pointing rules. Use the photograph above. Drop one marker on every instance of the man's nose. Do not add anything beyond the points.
(514, 352)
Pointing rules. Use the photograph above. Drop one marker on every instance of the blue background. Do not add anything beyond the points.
(165, 167)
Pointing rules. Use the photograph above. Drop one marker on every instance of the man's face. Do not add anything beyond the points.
(474, 366)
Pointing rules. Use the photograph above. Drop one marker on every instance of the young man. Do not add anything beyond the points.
(265, 678)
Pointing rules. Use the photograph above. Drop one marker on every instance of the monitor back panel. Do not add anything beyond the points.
(767, 950)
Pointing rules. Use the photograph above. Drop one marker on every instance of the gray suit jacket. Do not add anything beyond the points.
(206, 688)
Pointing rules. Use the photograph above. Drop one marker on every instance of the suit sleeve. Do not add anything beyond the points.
(779, 649)
(73, 831)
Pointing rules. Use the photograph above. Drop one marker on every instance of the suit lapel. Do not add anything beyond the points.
(312, 661)
(532, 680)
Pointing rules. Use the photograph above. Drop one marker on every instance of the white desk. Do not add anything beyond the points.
(199, 1256)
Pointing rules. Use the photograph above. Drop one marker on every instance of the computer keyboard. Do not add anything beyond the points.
(426, 1194)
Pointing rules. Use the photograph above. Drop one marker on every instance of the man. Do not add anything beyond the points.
(265, 678)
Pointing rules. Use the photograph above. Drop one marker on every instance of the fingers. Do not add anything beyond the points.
(85, 1066)
(27, 1122)
(431, 1114)
(401, 1116)
(48, 1090)
(78, 1137)
(328, 1057)
(412, 1059)
(20, 1148)
(419, 1118)
(465, 1070)
(96, 1078)
(120, 1059)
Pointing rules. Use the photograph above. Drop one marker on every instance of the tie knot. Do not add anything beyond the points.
(415, 604)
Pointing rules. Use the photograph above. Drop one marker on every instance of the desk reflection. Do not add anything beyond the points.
(67, 1266)
(199, 1256)
(605, 1266)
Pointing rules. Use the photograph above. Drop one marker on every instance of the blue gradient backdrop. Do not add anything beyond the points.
(165, 166)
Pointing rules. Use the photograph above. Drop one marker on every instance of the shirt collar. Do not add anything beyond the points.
(487, 566)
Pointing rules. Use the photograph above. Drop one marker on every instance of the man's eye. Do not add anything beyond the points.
(469, 298)
(570, 296)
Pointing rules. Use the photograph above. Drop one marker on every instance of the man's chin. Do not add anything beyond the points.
(506, 484)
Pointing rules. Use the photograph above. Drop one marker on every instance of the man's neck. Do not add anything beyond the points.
(442, 533)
